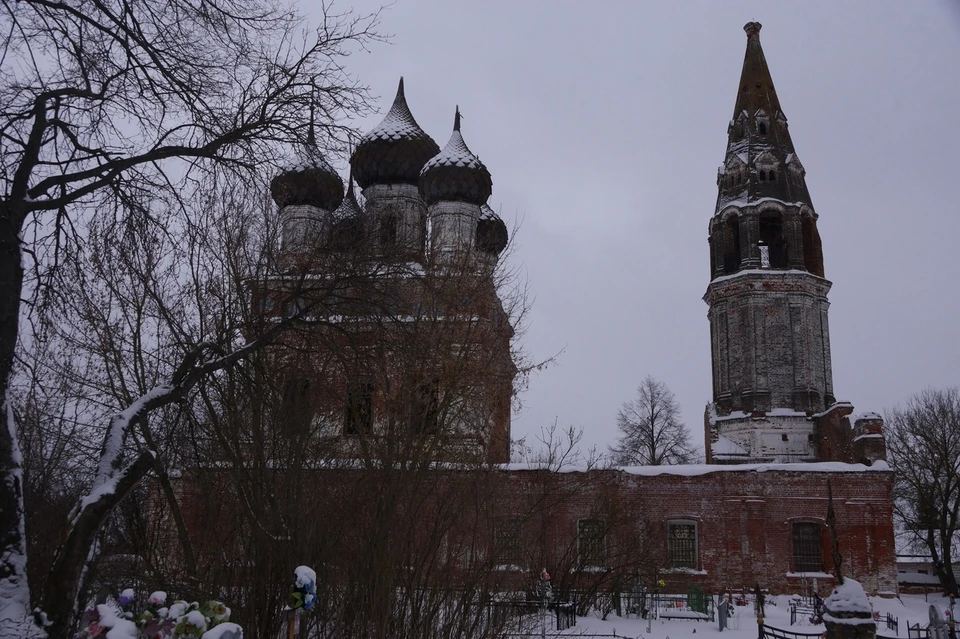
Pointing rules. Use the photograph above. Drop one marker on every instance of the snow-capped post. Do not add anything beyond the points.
(546, 594)
(303, 595)
(952, 622)
(758, 601)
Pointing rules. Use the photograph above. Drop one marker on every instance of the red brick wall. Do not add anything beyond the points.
(744, 519)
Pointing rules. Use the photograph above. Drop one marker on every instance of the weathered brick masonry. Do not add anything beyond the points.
(744, 517)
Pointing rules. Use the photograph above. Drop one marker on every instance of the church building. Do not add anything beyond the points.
(412, 369)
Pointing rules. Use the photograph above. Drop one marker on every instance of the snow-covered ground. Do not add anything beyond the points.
(743, 625)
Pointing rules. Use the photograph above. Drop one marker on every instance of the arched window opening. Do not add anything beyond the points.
(773, 247)
(762, 127)
(812, 248)
(772, 176)
(731, 244)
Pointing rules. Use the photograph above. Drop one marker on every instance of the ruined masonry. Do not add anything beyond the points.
(773, 396)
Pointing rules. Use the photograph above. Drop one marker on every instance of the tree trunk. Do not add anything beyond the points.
(14, 590)
(60, 598)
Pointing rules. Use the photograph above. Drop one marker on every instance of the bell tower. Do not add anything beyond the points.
(769, 334)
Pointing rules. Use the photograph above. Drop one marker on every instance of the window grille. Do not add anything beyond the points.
(682, 545)
(358, 417)
(507, 547)
(807, 549)
(592, 542)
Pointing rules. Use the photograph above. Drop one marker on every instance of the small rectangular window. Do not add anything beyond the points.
(591, 542)
(807, 548)
(358, 417)
(425, 416)
(507, 541)
(682, 544)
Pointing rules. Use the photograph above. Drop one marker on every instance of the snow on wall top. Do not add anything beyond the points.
(694, 470)
(764, 271)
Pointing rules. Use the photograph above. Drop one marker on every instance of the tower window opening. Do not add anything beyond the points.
(762, 128)
(812, 248)
(772, 176)
(731, 245)
(389, 225)
(772, 241)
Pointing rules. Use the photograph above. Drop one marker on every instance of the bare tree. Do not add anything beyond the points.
(923, 443)
(651, 433)
(109, 108)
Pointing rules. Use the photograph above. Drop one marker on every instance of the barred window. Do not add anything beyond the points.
(507, 542)
(592, 542)
(807, 548)
(682, 544)
(358, 416)
(425, 416)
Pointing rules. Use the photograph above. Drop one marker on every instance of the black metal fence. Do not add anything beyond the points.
(769, 632)
(560, 614)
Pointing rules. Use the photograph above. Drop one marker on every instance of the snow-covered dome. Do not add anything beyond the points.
(455, 174)
(347, 226)
(311, 181)
(491, 231)
(395, 150)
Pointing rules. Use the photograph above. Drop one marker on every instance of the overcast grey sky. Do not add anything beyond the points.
(603, 124)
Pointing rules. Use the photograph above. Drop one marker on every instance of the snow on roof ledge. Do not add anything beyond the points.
(694, 470)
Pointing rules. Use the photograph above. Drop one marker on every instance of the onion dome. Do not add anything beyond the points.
(455, 174)
(491, 231)
(312, 181)
(394, 151)
(347, 226)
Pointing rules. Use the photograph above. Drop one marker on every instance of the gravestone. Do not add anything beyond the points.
(847, 613)
(722, 614)
(938, 626)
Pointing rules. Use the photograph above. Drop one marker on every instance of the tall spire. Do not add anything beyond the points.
(756, 86)
(760, 162)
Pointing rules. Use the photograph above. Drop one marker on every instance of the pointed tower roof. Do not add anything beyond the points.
(756, 86)
(395, 150)
(759, 149)
(455, 174)
(347, 228)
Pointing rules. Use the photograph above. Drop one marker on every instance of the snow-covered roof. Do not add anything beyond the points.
(455, 153)
(398, 124)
